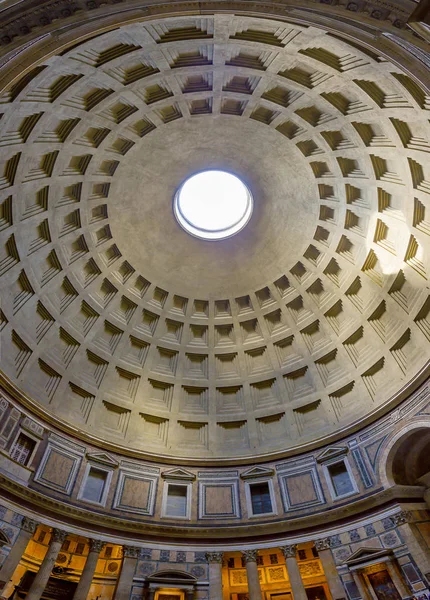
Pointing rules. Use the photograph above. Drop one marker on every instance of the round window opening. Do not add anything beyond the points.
(213, 205)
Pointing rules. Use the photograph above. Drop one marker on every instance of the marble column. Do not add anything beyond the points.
(215, 575)
(28, 527)
(254, 587)
(418, 550)
(125, 581)
(398, 580)
(364, 593)
(334, 582)
(85, 581)
(294, 576)
(38, 586)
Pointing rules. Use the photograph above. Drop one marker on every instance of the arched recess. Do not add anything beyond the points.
(406, 456)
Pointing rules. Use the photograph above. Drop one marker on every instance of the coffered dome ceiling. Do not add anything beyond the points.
(118, 322)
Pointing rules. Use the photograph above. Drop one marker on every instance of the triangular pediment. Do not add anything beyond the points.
(178, 474)
(332, 452)
(103, 458)
(257, 472)
(366, 554)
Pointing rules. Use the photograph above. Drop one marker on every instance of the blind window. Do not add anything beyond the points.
(176, 505)
(94, 485)
(340, 479)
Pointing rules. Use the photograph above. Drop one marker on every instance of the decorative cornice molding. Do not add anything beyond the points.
(256, 472)
(179, 475)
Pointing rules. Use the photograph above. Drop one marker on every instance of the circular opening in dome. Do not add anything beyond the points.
(213, 205)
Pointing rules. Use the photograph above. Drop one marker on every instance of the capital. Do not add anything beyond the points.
(131, 551)
(29, 525)
(250, 555)
(214, 557)
(402, 517)
(96, 545)
(322, 544)
(289, 551)
(58, 535)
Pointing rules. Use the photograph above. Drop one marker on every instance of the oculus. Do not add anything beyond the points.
(213, 205)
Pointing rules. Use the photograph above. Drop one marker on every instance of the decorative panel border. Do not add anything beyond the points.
(62, 448)
(234, 491)
(127, 476)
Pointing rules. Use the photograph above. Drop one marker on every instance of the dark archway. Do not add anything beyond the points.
(409, 459)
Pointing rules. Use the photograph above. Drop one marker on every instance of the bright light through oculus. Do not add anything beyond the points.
(213, 205)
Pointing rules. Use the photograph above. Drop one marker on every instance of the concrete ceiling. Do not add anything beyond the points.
(310, 319)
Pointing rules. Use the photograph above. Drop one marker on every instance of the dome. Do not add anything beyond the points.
(309, 320)
(214, 393)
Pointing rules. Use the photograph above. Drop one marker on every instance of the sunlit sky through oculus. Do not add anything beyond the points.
(213, 205)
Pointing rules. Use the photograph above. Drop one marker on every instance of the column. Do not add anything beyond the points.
(38, 586)
(125, 581)
(28, 527)
(417, 549)
(398, 580)
(84, 584)
(334, 582)
(360, 585)
(215, 575)
(294, 576)
(254, 588)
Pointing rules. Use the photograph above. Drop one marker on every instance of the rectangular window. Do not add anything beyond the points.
(108, 551)
(94, 485)
(273, 559)
(80, 547)
(230, 563)
(340, 479)
(41, 537)
(260, 498)
(302, 554)
(260, 562)
(22, 449)
(176, 505)
(314, 552)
